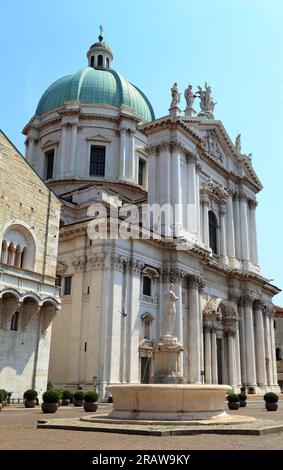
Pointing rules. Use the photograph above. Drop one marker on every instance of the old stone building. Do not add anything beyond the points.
(29, 299)
(94, 139)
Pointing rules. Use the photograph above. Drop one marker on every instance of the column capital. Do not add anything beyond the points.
(195, 282)
(253, 203)
(222, 210)
(258, 304)
(247, 300)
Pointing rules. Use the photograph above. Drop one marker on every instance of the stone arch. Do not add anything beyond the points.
(19, 245)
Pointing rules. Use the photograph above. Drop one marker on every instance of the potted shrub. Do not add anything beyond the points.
(242, 399)
(1, 399)
(66, 397)
(50, 401)
(90, 399)
(79, 398)
(60, 395)
(233, 401)
(30, 397)
(4, 396)
(271, 401)
(251, 390)
(243, 388)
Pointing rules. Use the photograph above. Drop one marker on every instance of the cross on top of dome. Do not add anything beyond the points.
(99, 54)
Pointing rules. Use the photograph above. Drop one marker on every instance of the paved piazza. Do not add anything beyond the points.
(18, 431)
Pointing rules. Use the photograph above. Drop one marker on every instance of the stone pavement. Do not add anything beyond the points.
(18, 431)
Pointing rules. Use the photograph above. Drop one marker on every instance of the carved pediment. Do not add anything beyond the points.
(99, 138)
(49, 143)
(212, 146)
(215, 191)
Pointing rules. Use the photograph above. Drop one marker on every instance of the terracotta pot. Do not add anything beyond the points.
(271, 406)
(65, 402)
(30, 403)
(233, 405)
(243, 403)
(49, 407)
(90, 406)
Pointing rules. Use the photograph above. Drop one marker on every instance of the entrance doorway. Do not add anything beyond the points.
(219, 361)
(145, 370)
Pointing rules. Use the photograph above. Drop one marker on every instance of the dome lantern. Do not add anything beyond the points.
(99, 54)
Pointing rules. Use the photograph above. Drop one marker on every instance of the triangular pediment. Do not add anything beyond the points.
(98, 138)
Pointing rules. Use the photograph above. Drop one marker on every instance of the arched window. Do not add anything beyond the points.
(212, 221)
(146, 287)
(100, 61)
(92, 61)
(18, 247)
(107, 63)
(15, 321)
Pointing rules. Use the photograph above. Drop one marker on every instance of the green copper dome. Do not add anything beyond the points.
(94, 86)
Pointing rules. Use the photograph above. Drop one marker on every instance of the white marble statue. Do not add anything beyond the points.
(206, 103)
(189, 97)
(170, 310)
(238, 143)
(175, 96)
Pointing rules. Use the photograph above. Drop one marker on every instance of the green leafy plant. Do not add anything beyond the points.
(243, 388)
(91, 397)
(59, 391)
(51, 396)
(79, 395)
(271, 397)
(242, 396)
(1, 396)
(30, 395)
(233, 398)
(4, 393)
(66, 395)
(49, 385)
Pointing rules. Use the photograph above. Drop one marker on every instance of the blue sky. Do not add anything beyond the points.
(234, 45)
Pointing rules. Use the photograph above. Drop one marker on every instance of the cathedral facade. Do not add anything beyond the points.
(95, 141)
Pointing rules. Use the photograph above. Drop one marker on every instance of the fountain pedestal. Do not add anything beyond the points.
(167, 361)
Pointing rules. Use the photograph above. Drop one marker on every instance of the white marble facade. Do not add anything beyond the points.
(112, 308)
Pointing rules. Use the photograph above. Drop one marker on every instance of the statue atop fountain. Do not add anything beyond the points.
(170, 310)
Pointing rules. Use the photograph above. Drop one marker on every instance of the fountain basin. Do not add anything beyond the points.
(179, 402)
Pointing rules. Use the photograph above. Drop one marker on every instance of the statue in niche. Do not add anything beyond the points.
(175, 96)
(170, 310)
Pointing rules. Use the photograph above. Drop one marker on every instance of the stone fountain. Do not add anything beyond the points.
(167, 398)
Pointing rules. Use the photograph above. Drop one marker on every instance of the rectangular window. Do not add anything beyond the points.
(67, 285)
(58, 281)
(49, 157)
(97, 161)
(141, 172)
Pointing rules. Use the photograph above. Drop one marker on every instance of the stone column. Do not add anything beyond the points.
(223, 252)
(254, 256)
(214, 370)
(63, 157)
(237, 356)
(242, 342)
(192, 196)
(268, 350)
(122, 153)
(230, 229)
(205, 220)
(250, 344)
(194, 332)
(132, 156)
(207, 353)
(176, 188)
(231, 357)
(273, 352)
(132, 325)
(237, 226)
(244, 228)
(30, 156)
(72, 171)
(178, 327)
(259, 343)
(198, 205)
